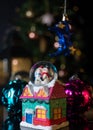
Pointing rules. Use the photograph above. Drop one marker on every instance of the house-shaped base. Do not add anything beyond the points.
(44, 108)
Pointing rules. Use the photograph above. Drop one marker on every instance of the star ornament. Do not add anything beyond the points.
(61, 25)
(72, 50)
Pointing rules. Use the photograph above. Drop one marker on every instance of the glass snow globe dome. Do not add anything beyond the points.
(43, 73)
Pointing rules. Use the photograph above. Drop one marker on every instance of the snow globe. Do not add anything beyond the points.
(43, 73)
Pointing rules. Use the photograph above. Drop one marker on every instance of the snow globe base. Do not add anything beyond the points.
(62, 126)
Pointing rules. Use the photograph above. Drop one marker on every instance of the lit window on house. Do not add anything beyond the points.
(57, 113)
(41, 113)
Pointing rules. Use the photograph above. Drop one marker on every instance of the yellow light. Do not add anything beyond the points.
(63, 66)
(20, 64)
(32, 35)
(72, 49)
(78, 52)
(15, 62)
(56, 38)
(61, 73)
(56, 44)
(29, 13)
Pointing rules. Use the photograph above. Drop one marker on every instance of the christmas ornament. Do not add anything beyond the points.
(78, 98)
(10, 96)
(43, 73)
(63, 32)
(10, 99)
(11, 123)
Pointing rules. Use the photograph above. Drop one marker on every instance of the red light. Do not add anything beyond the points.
(86, 95)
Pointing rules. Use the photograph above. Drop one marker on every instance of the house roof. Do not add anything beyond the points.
(57, 91)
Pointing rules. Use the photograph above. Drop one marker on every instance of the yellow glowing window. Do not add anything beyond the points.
(59, 116)
(41, 113)
(59, 110)
(38, 110)
(38, 116)
(57, 113)
(43, 116)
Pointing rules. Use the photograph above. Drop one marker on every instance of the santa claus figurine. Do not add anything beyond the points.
(38, 79)
(45, 75)
(42, 75)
